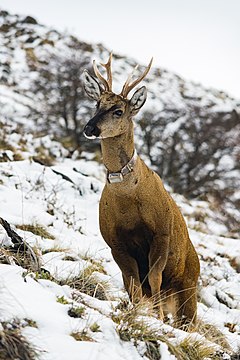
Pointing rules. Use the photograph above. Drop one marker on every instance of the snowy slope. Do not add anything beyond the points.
(71, 304)
(193, 128)
(63, 199)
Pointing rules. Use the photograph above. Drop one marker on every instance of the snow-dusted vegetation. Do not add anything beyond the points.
(61, 293)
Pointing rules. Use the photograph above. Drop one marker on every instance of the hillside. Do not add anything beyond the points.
(62, 295)
(190, 134)
(71, 299)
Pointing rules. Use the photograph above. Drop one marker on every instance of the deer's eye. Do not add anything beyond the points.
(118, 113)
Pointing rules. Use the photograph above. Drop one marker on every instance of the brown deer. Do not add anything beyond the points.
(139, 220)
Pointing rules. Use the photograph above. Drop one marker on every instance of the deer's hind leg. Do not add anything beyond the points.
(187, 301)
(187, 291)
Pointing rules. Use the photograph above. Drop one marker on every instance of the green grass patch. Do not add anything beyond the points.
(62, 300)
(95, 327)
(76, 312)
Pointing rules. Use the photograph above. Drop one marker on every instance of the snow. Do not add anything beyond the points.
(27, 191)
(63, 199)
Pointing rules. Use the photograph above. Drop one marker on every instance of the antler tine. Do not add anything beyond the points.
(100, 77)
(107, 83)
(107, 66)
(127, 87)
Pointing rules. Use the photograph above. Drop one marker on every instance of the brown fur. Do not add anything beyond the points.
(140, 221)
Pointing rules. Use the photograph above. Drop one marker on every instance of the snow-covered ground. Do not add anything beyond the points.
(63, 199)
(74, 306)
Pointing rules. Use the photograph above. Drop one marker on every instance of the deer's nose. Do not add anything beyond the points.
(91, 132)
(88, 130)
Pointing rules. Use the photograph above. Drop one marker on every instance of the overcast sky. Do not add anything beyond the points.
(198, 39)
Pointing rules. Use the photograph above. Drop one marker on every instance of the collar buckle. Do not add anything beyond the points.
(117, 177)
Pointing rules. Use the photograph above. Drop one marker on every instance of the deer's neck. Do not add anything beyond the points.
(117, 151)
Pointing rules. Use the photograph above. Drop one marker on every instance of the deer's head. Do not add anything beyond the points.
(114, 112)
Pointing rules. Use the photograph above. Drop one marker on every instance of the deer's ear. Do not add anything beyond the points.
(138, 99)
(91, 86)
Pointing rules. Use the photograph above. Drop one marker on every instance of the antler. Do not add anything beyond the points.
(107, 83)
(128, 86)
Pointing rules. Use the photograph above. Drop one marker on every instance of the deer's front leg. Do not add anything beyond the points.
(157, 261)
(130, 274)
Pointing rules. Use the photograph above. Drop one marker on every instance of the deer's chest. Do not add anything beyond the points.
(120, 213)
(121, 222)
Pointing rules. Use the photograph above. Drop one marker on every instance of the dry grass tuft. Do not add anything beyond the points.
(43, 156)
(36, 229)
(213, 334)
(81, 336)
(55, 248)
(13, 345)
(132, 325)
(20, 252)
(28, 260)
(69, 258)
(89, 285)
(17, 156)
(96, 265)
(196, 350)
(4, 145)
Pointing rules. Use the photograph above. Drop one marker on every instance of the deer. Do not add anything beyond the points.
(138, 218)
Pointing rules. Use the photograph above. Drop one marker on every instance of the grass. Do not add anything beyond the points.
(36, 229)
(62, 300)
(55, 248)
(88, 283)
(90, 286)
(133, 326)
(31, 323)
(96, 265)
(95, 327)
(81, 335)
(13, 345)
(43, 157)
(69, 258)
(76, 312)
(17, 156)
(23, 257)
(196, 350)
(4, 145)
(44, 275)
(213, 334)
(6, 256)
(20, 253)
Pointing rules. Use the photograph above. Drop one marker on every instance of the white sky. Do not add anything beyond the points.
(198, 39)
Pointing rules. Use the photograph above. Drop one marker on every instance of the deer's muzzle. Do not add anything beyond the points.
(91, 131)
